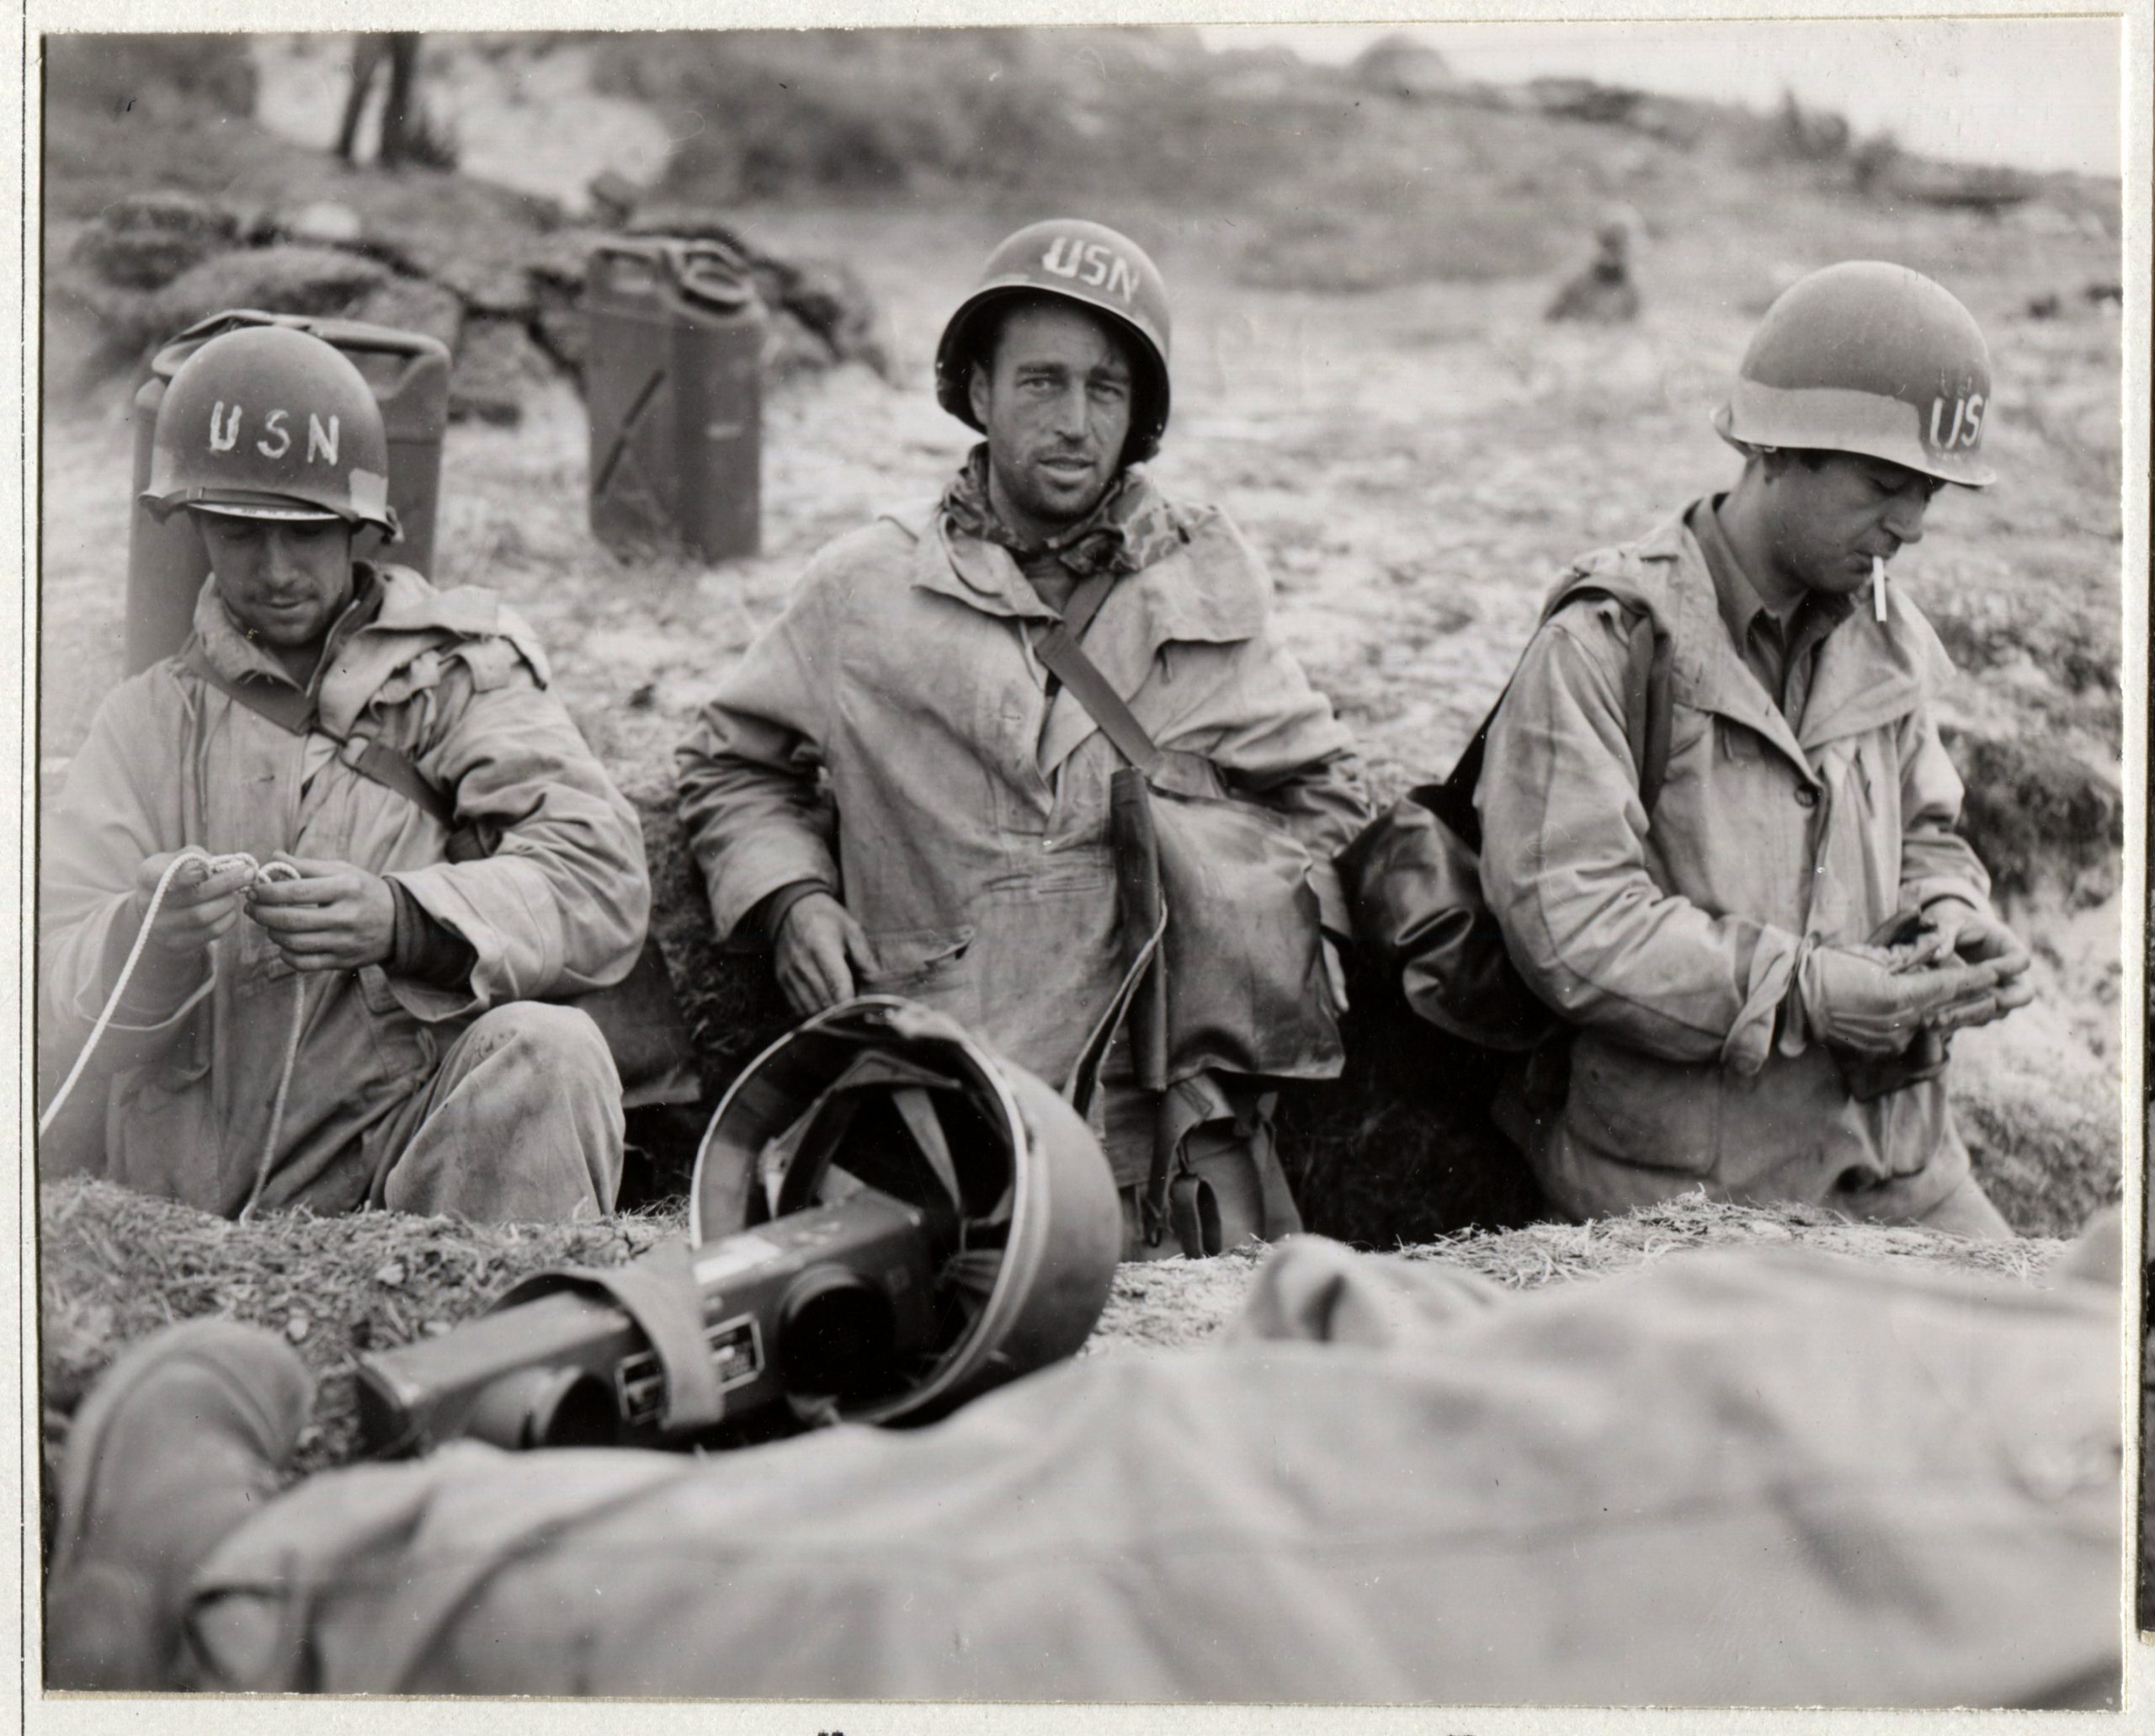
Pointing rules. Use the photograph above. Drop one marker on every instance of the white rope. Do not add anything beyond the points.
(283, 1087)
(256, 872)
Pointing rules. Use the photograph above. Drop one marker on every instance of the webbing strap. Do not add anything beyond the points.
(1083, 1081)
(1065, 658)
(1646, 728)
(660, 1293)
(295, 713)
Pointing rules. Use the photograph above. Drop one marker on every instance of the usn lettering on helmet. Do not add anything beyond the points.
(277, 440)
(1091, 262)
(1967, 422)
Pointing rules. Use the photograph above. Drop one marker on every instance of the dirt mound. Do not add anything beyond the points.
(115, 1266)
(506, 301)
(186, 209)
(146, 241)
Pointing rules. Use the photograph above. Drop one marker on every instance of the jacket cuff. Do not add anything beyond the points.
(759, 927)
(1773, 968)
(152, 1021)
(425, 950)
(1922, 894)
(740, 888)
(1934, 887)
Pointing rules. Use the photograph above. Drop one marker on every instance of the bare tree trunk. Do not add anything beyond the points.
(400, 114)
(366, 56)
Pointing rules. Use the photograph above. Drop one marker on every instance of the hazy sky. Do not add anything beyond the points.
(2038, 93)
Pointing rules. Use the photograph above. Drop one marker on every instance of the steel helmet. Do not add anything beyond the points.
(1085, 263)
(885, 1092)
(1871, 358)
(269, 423)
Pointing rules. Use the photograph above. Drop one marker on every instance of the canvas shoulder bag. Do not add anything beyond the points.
(1242, 957)
(1414, 877)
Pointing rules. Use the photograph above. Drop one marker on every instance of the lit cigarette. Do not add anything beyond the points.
(1878, 587)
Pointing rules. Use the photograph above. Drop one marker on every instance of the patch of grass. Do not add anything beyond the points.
(115, 1266)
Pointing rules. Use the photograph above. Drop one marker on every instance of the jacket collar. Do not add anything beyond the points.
(396, 616)
(1211, 588)
(1867, 674)
(233, 653)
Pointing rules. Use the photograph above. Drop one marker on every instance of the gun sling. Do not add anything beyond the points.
(1187, 1201)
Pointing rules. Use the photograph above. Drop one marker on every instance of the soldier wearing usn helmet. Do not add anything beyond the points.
(451, 852)
(962, 855)
(1759, 976)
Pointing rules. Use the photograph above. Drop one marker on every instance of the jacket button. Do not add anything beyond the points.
(1806, 796)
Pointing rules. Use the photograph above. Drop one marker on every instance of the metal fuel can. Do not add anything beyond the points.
(673, 388)
(409, 374)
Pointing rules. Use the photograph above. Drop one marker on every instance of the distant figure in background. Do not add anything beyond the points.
(399, 112)
(1760, 975)
(1602, 294)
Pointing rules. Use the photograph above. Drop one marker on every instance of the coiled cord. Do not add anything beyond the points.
(216, 865)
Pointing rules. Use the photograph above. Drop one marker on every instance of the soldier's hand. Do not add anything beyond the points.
(334, 917)
(818, 950)
(199, 906)
(1854, 1001)
(1978, 938)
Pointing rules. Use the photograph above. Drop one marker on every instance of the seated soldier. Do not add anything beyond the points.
(1732, 1025)
(378, 840)
(894, 786)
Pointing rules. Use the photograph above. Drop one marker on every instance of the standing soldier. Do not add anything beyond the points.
(963, 855)
(357, 838)
(1730, 1025)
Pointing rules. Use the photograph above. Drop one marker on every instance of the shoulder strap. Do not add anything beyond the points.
(1065, 660)
(1646, 727)
(1646, 708)
(294, 712)
(1085, 603)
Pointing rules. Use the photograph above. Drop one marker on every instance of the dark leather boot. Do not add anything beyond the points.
(184, 1438)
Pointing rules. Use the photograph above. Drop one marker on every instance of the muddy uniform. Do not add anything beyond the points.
(966, 823)
(1808, 799)
(436, 1083)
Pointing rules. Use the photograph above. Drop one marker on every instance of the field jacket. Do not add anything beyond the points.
(891, 738)
(1669, 949)
(453, 680)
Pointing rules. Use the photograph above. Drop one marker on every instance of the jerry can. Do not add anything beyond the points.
(673, 388)
(409, 374)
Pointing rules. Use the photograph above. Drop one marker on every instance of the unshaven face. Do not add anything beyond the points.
(1056, 404)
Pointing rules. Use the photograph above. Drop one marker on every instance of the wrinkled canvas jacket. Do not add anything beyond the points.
(1669, 951)
(456, 682)
(965, 822)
